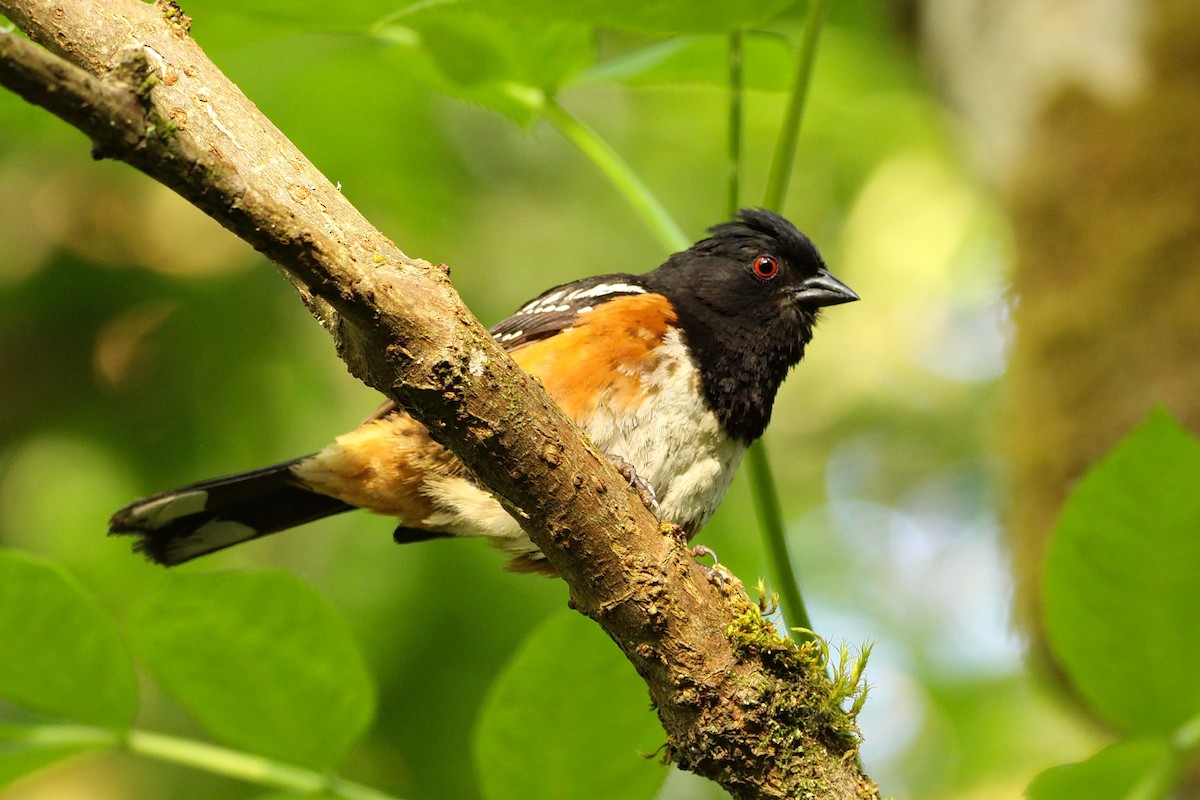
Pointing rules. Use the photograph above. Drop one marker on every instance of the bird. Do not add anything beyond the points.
(671, 373)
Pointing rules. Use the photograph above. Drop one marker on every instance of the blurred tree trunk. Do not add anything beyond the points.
(1087, 116)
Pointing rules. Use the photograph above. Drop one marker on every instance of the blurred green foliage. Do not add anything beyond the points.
(1117, 772)
(1121, 582)
(259, 660)
(145, 347)
(1122, 574)
(59, 654)
(597, 707)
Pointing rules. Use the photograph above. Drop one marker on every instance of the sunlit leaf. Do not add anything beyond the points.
(568, 717)
(260, 660)
(1111, 774)
(59, 653)
(1123, 577)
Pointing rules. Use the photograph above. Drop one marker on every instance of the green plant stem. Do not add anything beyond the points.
(789, 133)
(735, 122)
(762, 482)
(210, 758)
(770, 520)
(626, 181)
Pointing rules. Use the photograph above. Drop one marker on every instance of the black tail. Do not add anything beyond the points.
(179, 525)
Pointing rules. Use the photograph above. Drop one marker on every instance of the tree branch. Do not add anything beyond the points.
(740, 705)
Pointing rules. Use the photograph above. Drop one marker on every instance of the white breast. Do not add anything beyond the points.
(673, 441)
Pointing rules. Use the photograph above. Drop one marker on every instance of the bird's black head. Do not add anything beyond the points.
(747, 299)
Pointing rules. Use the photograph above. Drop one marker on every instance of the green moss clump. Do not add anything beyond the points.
(812, 691)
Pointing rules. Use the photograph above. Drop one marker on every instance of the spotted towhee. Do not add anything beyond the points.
(673, 372)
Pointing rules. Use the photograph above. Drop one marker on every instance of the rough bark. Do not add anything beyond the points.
(739, 705)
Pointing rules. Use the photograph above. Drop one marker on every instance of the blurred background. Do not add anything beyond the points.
(1012, 188)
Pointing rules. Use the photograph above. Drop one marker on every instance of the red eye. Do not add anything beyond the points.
(766, 267)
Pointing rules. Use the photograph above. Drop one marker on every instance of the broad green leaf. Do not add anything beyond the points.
(696, 16)
(568, 717)
(1122, 580)
(1114, 773)
(259, 660)
(59, 653)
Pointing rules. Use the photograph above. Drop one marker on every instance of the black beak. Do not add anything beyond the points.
(823, 289)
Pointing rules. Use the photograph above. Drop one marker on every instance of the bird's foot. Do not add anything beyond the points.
(645, 491)
(713, 573)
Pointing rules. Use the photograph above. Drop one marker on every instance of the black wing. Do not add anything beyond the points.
(558, 308)
(550, 312)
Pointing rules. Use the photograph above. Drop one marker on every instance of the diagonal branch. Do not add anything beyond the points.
(739, 705)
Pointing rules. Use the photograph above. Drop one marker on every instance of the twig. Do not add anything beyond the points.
(237, 764)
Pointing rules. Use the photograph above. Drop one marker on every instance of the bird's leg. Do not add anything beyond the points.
(645, 491)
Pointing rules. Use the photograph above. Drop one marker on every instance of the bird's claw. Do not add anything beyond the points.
(645, 491)
(712, 573)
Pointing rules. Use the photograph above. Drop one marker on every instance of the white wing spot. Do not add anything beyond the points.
(601, 289)
(550, 303)
(542, 304)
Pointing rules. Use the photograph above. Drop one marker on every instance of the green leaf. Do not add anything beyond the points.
(696, 16)
(259, 660)
(59, 653)
(505, 64)
(1123, 577)
(568, 717)
(1119, 772)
